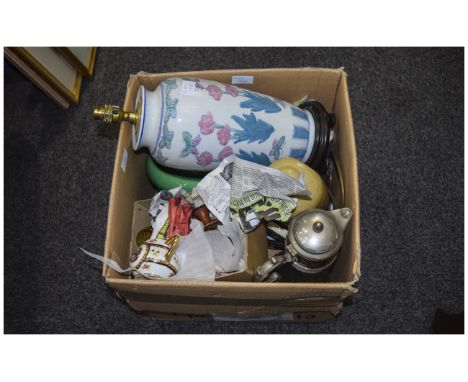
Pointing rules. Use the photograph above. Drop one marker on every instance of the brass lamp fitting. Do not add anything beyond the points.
(111, 113)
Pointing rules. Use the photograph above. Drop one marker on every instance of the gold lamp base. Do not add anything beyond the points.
(112, 113)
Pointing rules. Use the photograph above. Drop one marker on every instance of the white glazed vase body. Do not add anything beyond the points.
(193, 124)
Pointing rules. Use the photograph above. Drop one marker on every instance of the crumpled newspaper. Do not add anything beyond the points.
(227, 244)
(248, 192)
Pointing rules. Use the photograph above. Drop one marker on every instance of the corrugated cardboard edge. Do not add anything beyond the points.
(118, 154)
(142, 74)
(357, 261)
(224, 289)
(310, 316)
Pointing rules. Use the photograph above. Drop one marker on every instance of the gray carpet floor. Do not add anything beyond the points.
(407, 106)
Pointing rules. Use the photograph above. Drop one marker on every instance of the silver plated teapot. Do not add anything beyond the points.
(313, 240)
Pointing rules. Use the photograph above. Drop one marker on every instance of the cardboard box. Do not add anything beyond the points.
(168, 299)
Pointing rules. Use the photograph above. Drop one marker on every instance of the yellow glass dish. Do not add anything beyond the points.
(318, 197)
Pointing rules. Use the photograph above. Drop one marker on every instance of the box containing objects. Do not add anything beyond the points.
(237, 296)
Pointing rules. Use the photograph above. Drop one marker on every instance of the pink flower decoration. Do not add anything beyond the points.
(206, 124)
(196, 141)
(224, 135)
(224, 153)
(204, 159)
(215, 92)
(232, 90)
(195, 151)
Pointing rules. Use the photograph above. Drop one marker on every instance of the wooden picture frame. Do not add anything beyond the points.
(82, 58)
(36, 79)
(56, 71)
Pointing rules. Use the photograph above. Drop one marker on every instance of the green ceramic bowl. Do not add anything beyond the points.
(164, 178)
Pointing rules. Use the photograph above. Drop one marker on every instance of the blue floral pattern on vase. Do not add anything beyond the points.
(223, 120)
(169, 111)
(299, 113)
(280, 102)
(190, 144)
(297, 153)
(159, 157)
(253, 129)
(277, 147)
(300, 132)
(258, 102)
(261, 158)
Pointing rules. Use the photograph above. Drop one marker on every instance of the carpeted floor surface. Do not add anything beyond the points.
(407, 108)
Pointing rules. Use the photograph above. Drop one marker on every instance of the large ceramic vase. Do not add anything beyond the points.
(193, 124)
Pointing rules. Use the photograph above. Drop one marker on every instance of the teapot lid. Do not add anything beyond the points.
(315, 232)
